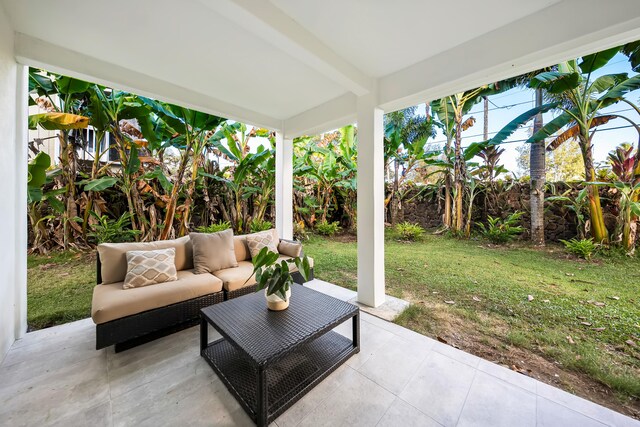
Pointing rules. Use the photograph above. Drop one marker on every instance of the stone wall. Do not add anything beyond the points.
(424, 205)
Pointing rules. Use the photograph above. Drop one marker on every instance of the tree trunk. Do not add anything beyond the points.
(394, 193)
(537, 173)
(69, 168)
(458, 176)
(173, 200)
(598, 229)
(485, 137)
(485, 132)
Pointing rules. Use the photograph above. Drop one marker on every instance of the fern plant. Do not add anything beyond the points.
(408, 231)
(584, 248)
(257, 225)
(113, 230)
(500, 230)
(215, 227)
(328, 228)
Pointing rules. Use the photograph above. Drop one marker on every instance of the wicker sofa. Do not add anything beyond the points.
(129, 317)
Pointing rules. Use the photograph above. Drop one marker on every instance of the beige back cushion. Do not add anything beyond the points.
(257, 241)
(113, 256)
(146, 268)
(240, 248)
(213, 251)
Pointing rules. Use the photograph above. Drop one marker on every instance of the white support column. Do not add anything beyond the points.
(370, 202)
(284, 186)
(20, 230)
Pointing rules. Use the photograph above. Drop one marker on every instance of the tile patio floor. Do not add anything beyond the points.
(400, 378)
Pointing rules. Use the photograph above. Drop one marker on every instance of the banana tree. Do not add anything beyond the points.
(452, 111)
(444, 163)
(347, 185)
(39, 176)
(444, 111)
(239, 177)
(580, 99)
(405, 138)
(64, 100)
(110, 109)
(193, 128)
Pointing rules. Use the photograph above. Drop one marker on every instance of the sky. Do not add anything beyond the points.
(506, 106)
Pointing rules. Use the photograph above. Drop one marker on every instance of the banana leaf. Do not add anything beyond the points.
(593, 62)
(58, 121)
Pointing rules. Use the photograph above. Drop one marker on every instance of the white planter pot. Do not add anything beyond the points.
(275, 303)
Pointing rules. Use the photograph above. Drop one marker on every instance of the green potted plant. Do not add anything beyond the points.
(275, 278)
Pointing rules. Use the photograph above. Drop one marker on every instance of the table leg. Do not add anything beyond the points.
(262, 408)
(356, 330)
(204, 334)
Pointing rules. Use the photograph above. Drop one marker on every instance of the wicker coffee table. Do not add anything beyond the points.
(268, 360)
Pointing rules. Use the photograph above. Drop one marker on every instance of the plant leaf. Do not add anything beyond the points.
(593, 62)
(58, 121)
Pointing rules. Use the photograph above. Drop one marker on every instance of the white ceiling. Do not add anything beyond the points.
(386, 36)
(301, 64)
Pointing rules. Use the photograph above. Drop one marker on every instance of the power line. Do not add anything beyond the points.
(500, 107)
(524, 139)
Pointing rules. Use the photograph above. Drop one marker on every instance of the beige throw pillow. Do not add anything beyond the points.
(257, 241)
(213, 251)
(290, 248)
(146, 268)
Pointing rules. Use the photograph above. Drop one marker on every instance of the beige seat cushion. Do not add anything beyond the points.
(111, 302)
(257, 241)
(113, 256)
(146, 268)
(213, 251)
(236, 278)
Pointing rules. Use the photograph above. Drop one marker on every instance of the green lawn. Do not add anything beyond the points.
(489, 313)
(59, 288)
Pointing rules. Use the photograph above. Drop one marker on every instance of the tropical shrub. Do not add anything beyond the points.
(408, 231)
(215, 227)
(501, 230)
(584, 248)
(328, 228)
(113, 231)
(257, 225)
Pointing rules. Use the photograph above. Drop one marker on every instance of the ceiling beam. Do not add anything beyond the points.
(331, 115)
(545, 38)
(41, 54)
(266, 21)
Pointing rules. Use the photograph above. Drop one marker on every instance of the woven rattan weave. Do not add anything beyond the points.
(268, 360)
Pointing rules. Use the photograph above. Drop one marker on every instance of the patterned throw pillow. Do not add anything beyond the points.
(146, 268)
(257, 241)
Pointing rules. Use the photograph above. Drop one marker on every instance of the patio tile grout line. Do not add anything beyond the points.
(475, 375)
(109, 385)
(606, 423)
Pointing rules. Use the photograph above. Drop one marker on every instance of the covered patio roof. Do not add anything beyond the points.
(299, 66)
